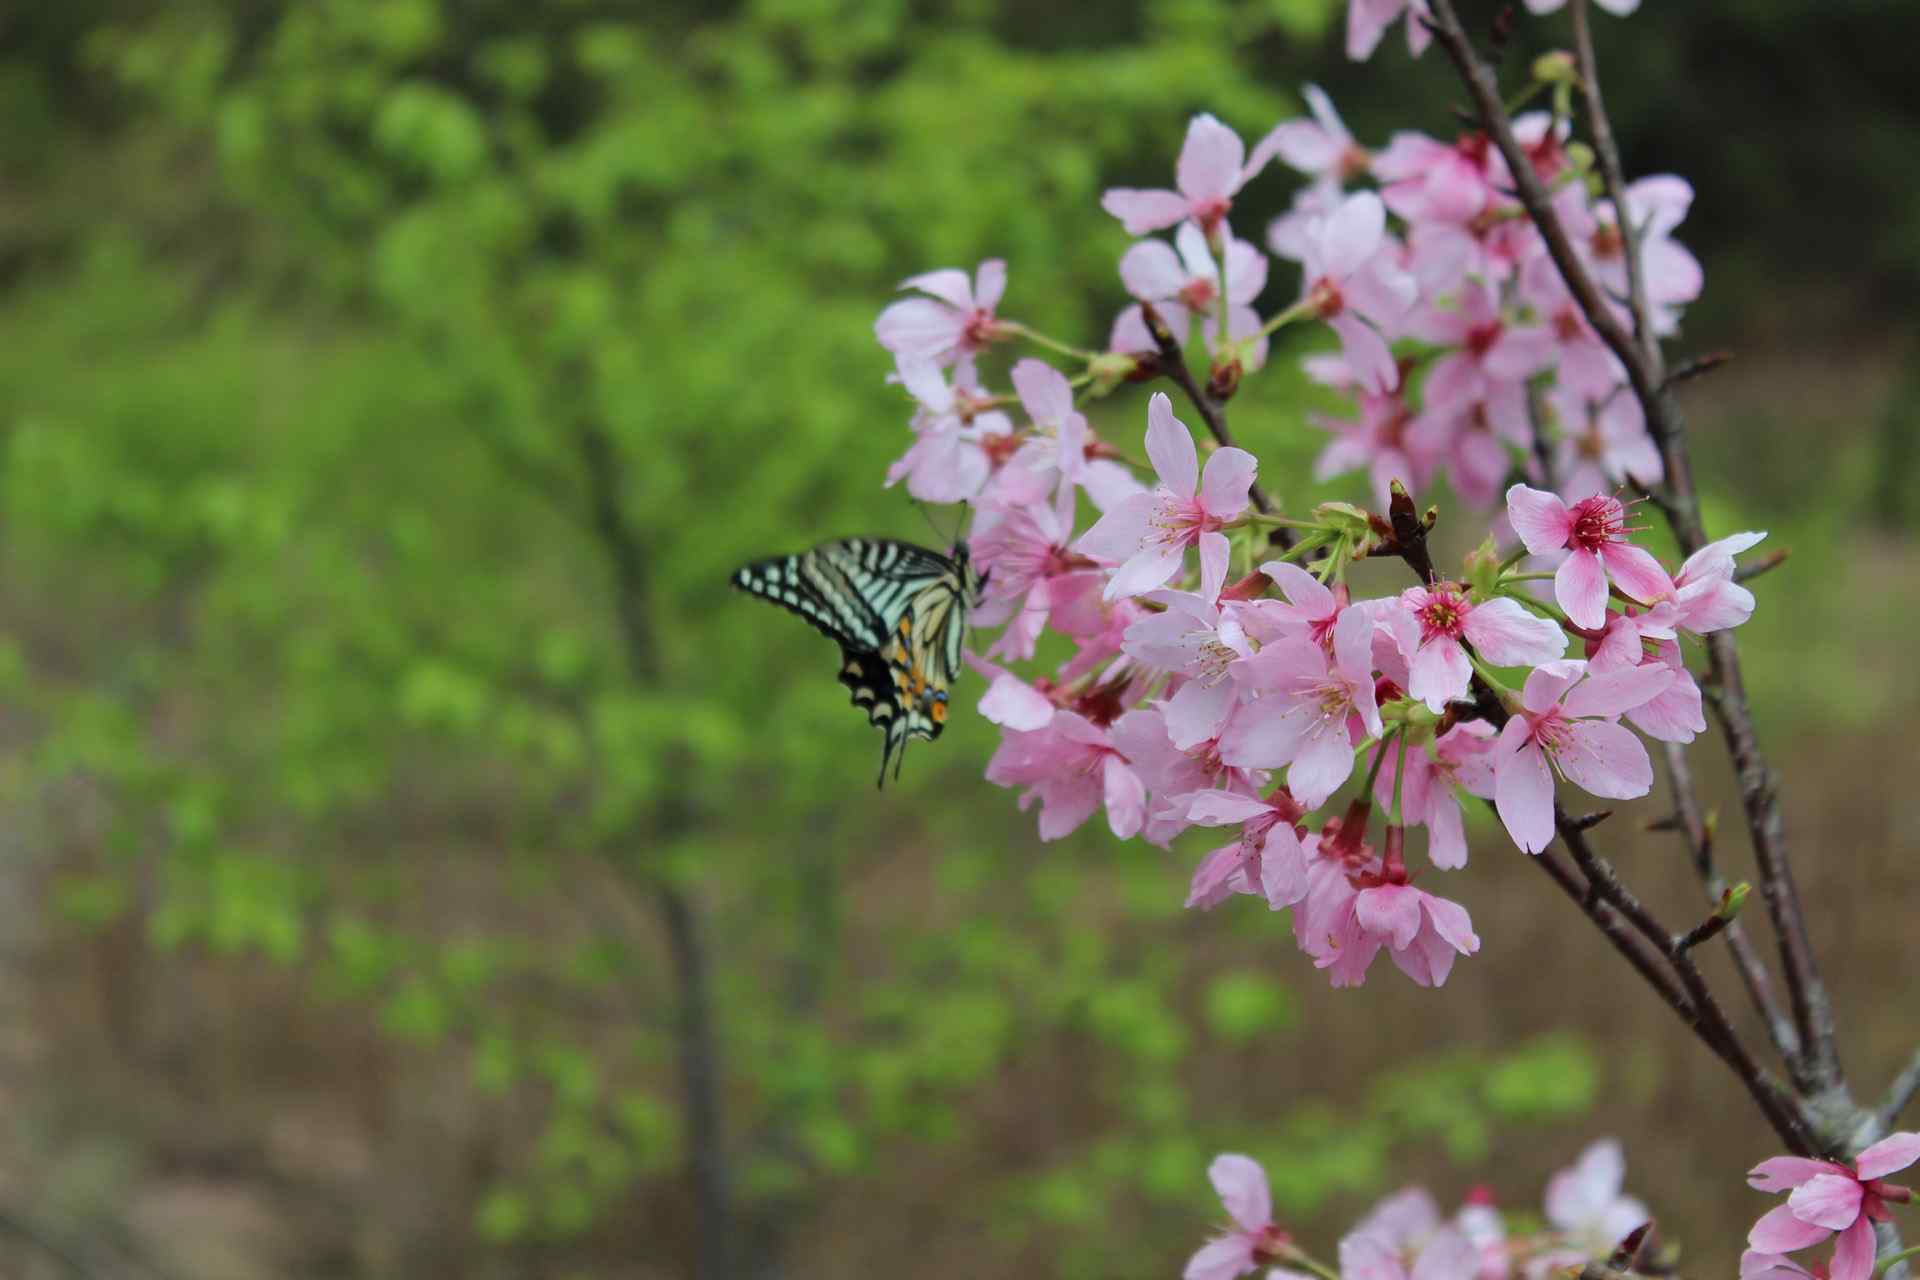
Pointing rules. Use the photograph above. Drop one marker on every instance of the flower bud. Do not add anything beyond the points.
(1556, 67)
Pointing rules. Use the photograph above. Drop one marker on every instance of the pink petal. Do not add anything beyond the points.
(1044, 391)
(1210, 161)
(1143, 211)
(1779, 1231)
(1221, 1259)
(1302, 590)
(1367, 355)
(1151, 270)
(919, 327)
(1889, 1155)
(1303, 144)
(1125, 797)
(1580, 585)
(1223, 808)
(1755, 1265)
(1242, 1185)
(1196, 713)
(1716, 558)
(1547, 682)
(1784, 1173)
(989, 282)
(1605, 759)
(1391, 911)
(951, 286)
(1143, 571)
(1225, 483)
(1170, 447)
(1212, 879)
(1830, 1200)
(1440, 672)
(1451, 922)
(1636, 572)
(1506, 635)
(1523, 794)
(1118, 534)
(1352, 234)
(1367, 21)
(1283, 867)
(1581, 1193)
(1446, 832)
(1448, 1255)
(1012, 702)
(1353, 645)
(1853, 1253)
(1608, 693)
(1215, 553)
(1540, 519)
(1325, 760)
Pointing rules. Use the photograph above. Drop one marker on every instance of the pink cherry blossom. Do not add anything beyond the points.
(1829, 1199)
(1253, 1239)
(1676, 714)
(1439, 617)
(1595, 530)
(1010, 701)
(1381, 440)
(1418, 1248)
(1475, 440)
(1268, 858)
(1071, 768)
(1705, 597)
(1461, 758)
(1197, 639)
(955, 321)
(1186, 285)
(1566, 724)
(1173, 774)
(1321, 146)
(1671, 273)
(1368, 20)
(1603, 443)
(1489, 352)
(1300, 716)
(1151, 532)
(1425, 180)
(1583, 364)
(1587, 1204)
(1422, 932)
(1032, 575)
(1211, 170)
(957, 436)
(1307, 607)
(1353, 282)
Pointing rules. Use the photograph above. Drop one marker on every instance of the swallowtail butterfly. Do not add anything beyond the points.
(899, 614)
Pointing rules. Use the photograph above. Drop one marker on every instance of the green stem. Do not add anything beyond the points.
(1881, 1267)
(1301, 310)
(1052, 344)
(1380, 758)
(1320, 1269)
(1541, 575)
(1399, 772)
(1513, 559)
(1506, 694)
(1282, 522)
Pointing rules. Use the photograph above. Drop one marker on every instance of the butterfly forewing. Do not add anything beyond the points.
(899, 613)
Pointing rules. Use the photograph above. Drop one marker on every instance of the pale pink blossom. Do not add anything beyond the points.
(1669, 271)
(1197, 639)
(1252, 1239)
(1151, 532)
(1829, 1199)
(1032, 575)
(1583, 364)
(1567, 724)
(1320, 146)
(1461, 759)
(1268, 859)
(1382, 440)
(1440, 617)
(1212, 168)
(1305, 698)
(1427, 181)
(1603, 443)
(1475, 440)
(1307, 607)
(1676, 714)
(1595, 530)
(1705, 597)
(1173, 774)
(955, 320)
(1488, 353)
(1353, 281)
(1072, 769)
(1368, 20)
(1404, 1239)
(1185, 285)
(956, 436)
(1287, 234)
(1587, 1203)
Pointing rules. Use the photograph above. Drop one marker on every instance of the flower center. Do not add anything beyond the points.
(1324, 299)
(1199, 293)
(1607, 241)
(1596, 522)
(1481, 338)
(1210, 213)
(1567, 325)
(1443, 615)
(979, 330)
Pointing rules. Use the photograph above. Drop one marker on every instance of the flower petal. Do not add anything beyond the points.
(1222, 1259)
(1580, 585)
(1784, 1173)
(1853, 1253)
(1605, 759)
(1779, 1231)
(1143, 211)
(1170, 447)
(1540, 519)
(1283, 867)
(1210, 160)
(1636, 572)
(1889, 1155)
(1242, 1185)
(1508, 636)
(1151, 271)
(1523, 795)
(1225, 483)
(1830, 1200)
(1608, 693)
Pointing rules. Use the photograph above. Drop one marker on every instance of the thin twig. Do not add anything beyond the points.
(1901, 1092)
(1615, 179)
(1772, 560)
(1747, 962)
(1812, 1007)
(1173, 363)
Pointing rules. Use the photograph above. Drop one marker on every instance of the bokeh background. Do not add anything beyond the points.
(363, 809)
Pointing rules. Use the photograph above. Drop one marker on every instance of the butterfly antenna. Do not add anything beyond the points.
(927, 515)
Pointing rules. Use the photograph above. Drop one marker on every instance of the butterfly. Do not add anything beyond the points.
(899, 614)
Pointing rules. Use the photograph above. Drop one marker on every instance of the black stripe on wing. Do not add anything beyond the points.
(791, 583)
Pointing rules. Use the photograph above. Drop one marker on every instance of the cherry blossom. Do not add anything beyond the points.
(1440, 617)
(1368, 20)
(1197, 639)
(956, 320)
(1300, 717)
(1382, 440)
(1172, 774)
(1487, 352)
(1321, 146)
(1474, 440)
(1072, 769)
(1587, 1204)
(1602, 443)
(1268, 858)
(1403, 1238)
(1829, 1199)
(1567, 723)
(1353, 283)
(1212, 168)
(1185, 285)
(1461, 758)
(1705, 597)
(1150, 532)
(1253, 1239)
(1676, 714)
(957, 437)
(1595, 530)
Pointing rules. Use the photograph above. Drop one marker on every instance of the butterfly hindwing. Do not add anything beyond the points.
(899, 613)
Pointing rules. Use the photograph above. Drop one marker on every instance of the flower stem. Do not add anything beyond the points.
(1881, 1267)
(1380, 758)
(1399, 772)
(1301, 310)
(1052, 344)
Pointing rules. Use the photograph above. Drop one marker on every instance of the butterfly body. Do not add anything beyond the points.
(899, 614)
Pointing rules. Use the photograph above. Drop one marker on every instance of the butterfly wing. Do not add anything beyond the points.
(898, 612)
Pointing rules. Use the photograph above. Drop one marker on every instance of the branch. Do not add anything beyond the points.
(1616, 183)
(1746, 961)
(1173, 363)
(1812, 1008)
(1901, 1091)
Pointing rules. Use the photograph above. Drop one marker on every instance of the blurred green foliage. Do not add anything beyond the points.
(306, 589)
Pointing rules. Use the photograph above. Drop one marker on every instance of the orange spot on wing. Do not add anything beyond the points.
(939, 712)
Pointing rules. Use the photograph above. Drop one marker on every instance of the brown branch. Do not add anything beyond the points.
(1812, 1008)
(1615, 179)
(1173, 363)
(1746, 961)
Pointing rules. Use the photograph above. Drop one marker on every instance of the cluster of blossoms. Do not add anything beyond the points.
(1224, 673)
(1587, 1216)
